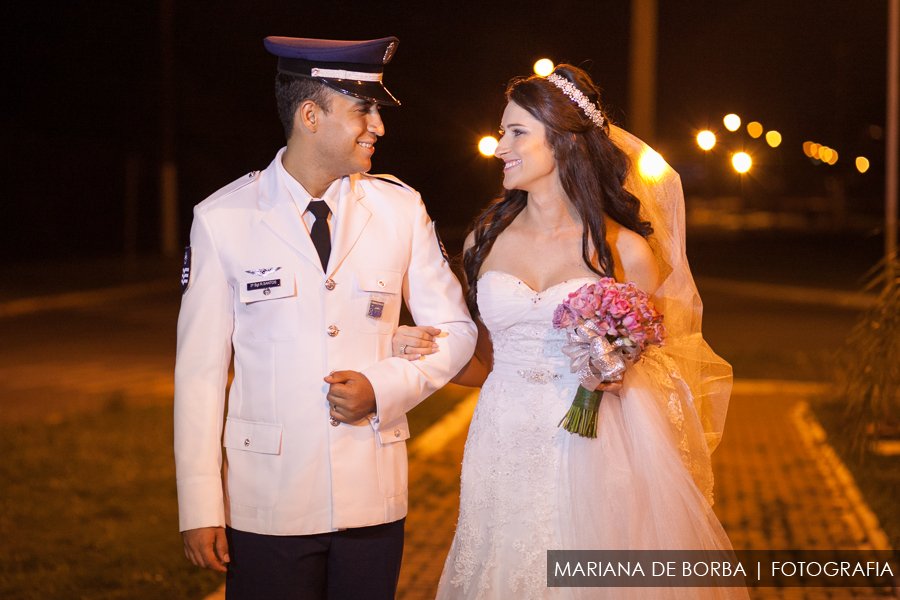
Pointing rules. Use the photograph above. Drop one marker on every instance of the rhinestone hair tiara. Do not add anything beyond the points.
(590, 109)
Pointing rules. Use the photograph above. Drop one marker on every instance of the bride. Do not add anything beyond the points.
(577, 208)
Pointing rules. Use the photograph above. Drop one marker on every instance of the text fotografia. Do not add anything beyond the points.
(696, 568)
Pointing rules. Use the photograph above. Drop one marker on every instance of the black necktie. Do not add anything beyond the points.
(320, 234)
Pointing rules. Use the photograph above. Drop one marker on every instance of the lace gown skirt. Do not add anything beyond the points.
(508, 516)
(519, 492)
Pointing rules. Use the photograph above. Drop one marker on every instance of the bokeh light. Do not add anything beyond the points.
(543, 67)
(488, 145)
(755, 129)
(741, 162)
(807, 149)
(706, 139)
(862, 164)
(732, 122)
(773, 138)
(825, 154)
(833, 158)
(651, 165)
(814, 151)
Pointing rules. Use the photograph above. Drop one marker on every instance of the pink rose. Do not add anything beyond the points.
(583, 305)
(585, 289)
(630, 322)
(607, 298)
(606, 282)
(638, 336)
(564, 317)
(606, 328)
(619, 307)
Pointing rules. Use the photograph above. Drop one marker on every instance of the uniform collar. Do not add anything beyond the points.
(273, 186)
(301, 197)
(281, 214)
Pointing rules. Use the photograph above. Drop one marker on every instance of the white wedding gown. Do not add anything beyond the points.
(526, 482)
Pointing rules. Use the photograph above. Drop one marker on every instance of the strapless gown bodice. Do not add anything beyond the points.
(520, 321)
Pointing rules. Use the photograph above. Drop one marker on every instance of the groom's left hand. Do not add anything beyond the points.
(351, 396)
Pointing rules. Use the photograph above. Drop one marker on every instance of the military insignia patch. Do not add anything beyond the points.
(437, 236)
(186, 270)
(376, 308)
(389, 52)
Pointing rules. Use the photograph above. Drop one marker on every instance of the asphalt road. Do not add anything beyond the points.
(56, 362)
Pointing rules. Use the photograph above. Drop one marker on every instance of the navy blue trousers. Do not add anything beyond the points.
(359, 563)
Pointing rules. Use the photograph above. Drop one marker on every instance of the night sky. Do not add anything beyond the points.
(82, 83)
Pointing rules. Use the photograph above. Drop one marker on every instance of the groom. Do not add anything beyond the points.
(301, 270)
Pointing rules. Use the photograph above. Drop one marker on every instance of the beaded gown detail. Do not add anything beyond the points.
(519, 496)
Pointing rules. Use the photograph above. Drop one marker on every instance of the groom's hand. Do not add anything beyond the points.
(351, 396)
(206, 547)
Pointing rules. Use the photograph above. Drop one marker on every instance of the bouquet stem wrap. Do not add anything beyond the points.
(582, 415)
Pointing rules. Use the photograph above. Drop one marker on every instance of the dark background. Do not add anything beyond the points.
(82, 95)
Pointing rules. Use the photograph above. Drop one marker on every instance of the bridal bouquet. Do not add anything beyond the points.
(607, 324)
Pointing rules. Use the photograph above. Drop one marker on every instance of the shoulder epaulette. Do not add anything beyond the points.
(392, 180)
(235, 185)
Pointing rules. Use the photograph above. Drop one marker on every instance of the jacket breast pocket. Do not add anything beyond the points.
(376, 300)
(269, 309)
(393, 475)
(254, 462)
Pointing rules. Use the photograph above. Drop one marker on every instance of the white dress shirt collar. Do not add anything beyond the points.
(302, 197)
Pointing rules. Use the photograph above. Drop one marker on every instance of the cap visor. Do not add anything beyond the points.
(367, 90)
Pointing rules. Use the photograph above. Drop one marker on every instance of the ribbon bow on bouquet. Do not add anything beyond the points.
(607, 324)
(594, 359)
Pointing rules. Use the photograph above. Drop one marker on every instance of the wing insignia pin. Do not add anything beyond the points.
(262, 272)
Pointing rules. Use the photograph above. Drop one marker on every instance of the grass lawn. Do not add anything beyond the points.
(88, 506)
(878, 477)
(88, 510)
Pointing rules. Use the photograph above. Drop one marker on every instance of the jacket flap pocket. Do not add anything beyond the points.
(397, 433)
(378, 280)
(264, 438)
(267, 288)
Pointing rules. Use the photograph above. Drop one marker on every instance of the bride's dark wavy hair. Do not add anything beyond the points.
(592, 170)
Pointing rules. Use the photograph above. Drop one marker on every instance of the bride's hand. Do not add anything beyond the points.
(412, 343)
(612, 387)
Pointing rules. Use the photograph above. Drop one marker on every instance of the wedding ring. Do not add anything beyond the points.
(334, 422)
(403, 349)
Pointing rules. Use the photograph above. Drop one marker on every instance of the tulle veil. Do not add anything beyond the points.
(666, 421)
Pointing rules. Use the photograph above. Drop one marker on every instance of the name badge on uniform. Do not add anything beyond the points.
(256, 290)
(376, 308)
(264, 285)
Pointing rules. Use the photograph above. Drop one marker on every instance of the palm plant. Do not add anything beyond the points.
(869, 365)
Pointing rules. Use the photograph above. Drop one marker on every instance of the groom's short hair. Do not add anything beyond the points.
(291, 92)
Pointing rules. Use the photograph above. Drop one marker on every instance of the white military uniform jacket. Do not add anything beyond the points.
(288, 471)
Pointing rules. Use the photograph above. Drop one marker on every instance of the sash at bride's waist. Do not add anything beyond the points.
(537, 372)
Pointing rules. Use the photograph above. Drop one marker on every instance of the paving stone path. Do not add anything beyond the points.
(775, 489)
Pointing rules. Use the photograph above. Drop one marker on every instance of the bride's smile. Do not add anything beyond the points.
(528, 161)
